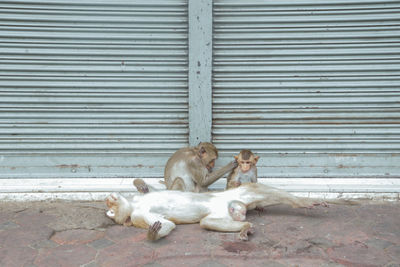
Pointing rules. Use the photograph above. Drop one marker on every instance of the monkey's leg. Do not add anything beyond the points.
(283, 197)
(228, 225)
(158, 227)
(142, 187)
(178, 184)
(297, 202)
(274, 196)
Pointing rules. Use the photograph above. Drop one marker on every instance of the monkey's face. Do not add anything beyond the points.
(112, 204)
(246, 164)
(210, 165)
(208, 154)
(114, 209)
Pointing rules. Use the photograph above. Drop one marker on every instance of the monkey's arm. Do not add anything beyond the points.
(254, 178)
(229, 179)
(214, 176)
(233, 183)
(227, 225)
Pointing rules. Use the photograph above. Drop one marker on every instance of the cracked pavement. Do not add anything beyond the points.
(79, 234)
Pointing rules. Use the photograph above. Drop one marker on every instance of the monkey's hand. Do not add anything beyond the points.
(152, 233)
(235, 164)
(248, 229)
(128, 222)
(237, 184)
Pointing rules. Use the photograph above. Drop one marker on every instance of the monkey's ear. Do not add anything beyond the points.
(256, 158)
(202, 150)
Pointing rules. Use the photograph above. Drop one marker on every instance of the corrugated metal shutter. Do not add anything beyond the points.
(312, 86)
(92, 88)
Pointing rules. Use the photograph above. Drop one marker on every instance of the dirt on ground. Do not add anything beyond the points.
(77, 233)
(68, 215)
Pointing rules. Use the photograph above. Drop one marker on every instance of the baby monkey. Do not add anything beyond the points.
(245, 172)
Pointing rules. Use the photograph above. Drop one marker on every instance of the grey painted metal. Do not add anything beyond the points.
(312, 86)
(83, 83)
(200, 66)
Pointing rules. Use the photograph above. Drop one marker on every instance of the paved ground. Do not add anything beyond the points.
(78, 234)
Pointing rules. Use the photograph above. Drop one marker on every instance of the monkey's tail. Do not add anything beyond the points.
(342, 201)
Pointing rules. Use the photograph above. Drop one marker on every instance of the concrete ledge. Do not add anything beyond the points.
(98, 188)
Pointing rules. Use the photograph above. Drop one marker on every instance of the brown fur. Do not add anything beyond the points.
(246, 154)
(239, 175)
(190, 168)
(140, 223)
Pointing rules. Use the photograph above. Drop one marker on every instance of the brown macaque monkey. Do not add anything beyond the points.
(160, 211)
(237, 210)
(190, 168)
(245, 172)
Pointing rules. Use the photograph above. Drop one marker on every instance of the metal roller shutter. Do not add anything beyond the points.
(311, 86)
(92, 88)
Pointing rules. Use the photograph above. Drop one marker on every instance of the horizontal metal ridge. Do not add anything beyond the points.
(266, 69)
(343, 19)
(313, 52)
(295, 3)
(92, 100)
(94, 52)
(308, 95)
(312, 82)
(107, 5)
(251, 28)
(294, 73)
(133, 95)
(267, 128)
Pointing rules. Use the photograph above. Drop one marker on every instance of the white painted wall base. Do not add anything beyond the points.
(94, 189)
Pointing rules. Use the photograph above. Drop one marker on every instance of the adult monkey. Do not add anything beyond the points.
(160, 211)
(190, 168)
(237, 209)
